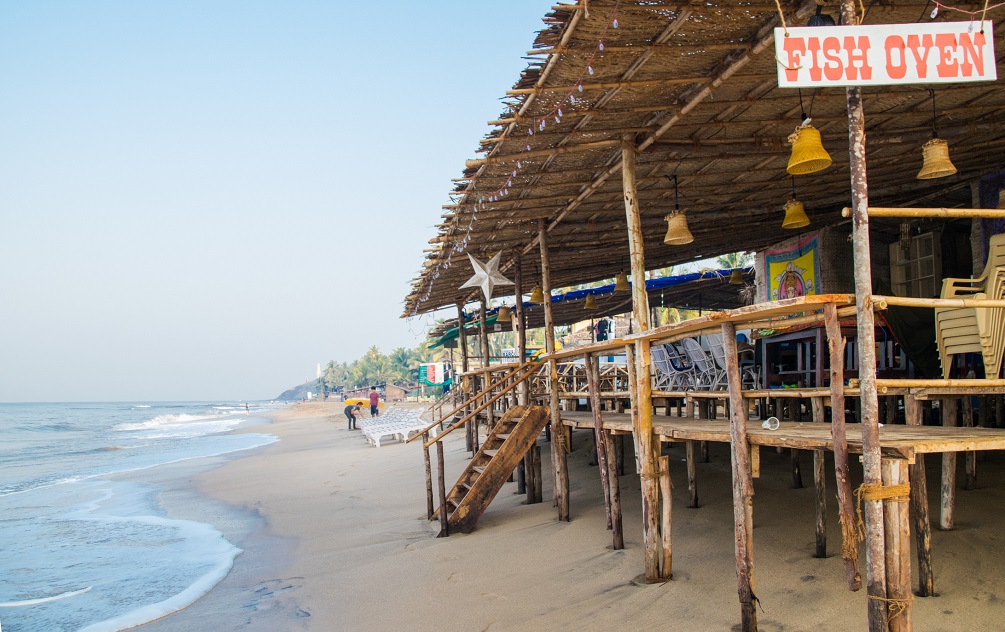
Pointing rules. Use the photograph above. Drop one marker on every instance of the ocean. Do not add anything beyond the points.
(81, 550)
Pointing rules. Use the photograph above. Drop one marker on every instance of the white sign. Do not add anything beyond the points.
(885, 54)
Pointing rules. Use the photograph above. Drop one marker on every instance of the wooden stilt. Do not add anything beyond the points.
(898, 547)
(692, 474)
(866, 343)
(666, 567)
(743, 485)
(521, 476)
(615, 492)
(429, 476)
(820, 483)
(797, 475)
(642, 405)
(970, 457)
(593, 387)
(619, 443)
(846, 504)
(948, 504)
(519, 328)
(444, 513)
(559, 462)
(919, 506)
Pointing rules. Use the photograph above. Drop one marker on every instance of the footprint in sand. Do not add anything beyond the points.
(454, 577)
(494, 597)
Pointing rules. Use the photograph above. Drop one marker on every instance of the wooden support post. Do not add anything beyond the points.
(692, 474)
(615, 492)
(919, 506)
(444, 511)
(559, 456)
(898, 547)
(429, 476)
(643, 431)
(593, 386)
(666, 505)
(866, 342)
(948, 504)
(846, 504)
(520, 328)
(743, 485)
(619, 443)
(970, 457)
(891, 409)
(538, 478)
(797, 475)
(486, 357)
(533, 471)
(820, 483)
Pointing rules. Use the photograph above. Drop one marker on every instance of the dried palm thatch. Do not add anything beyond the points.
(694, 87)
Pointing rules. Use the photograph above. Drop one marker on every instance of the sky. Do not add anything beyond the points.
(204, 200)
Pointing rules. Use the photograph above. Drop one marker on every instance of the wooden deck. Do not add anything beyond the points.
(895, 440)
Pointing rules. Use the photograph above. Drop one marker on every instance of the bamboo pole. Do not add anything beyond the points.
(820, 483)
(743, 485)
(429, 476)
(882, 302)
(846, 505)
(444, 525)
(593, 386)
(559, 461)
(919, 507)
(898, 547)
(948, 496)
(943, 213)
(644, 440)
(872, 466)
(666, 568)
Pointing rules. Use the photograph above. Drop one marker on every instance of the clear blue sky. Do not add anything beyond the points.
(203, 200)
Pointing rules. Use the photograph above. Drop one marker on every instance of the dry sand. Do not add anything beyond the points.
(339, 541)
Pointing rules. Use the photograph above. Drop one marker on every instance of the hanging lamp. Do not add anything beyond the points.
(936, 163)
(504, 315)
(795, 212)
(808, 153)
(736, 277)
(537, 295)
(591, 302)
(677, 231)
(621, 282)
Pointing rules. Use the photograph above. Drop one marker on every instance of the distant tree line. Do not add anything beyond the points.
(401, 366)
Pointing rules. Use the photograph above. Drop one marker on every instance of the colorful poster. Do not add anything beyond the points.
(431, 374)
(793, 270)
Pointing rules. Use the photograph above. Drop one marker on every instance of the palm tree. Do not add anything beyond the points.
(735, 260)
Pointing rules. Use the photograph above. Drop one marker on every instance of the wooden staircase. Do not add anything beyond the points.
(493, 464)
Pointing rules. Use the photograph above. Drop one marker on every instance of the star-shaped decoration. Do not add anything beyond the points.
(487, 275)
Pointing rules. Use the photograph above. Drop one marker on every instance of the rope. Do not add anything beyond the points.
(895, 607)
(877, 491)
(782, 16)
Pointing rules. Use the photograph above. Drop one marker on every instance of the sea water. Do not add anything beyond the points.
(82, 551)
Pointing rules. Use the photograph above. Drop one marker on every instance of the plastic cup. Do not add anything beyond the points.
(771, 423)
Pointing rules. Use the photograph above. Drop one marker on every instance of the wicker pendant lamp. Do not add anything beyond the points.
(677, 230)
(736, 277)
(591, 302)
(808, 153)
(935, 153)
(795, 212)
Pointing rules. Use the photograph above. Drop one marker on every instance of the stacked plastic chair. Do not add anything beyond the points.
(970, 329)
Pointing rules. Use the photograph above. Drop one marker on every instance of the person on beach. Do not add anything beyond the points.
(374, 402)
(350, 412)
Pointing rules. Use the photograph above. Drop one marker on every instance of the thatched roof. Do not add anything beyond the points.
(694, 86)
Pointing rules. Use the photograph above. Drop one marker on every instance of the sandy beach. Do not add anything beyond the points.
(339, 541)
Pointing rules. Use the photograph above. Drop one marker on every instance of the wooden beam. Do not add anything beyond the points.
(607, 85)
(937, 213)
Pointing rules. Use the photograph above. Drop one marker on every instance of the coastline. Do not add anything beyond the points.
(340, 542)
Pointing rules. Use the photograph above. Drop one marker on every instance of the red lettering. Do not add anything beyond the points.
(832, 68)
(895, 71)
(796, 48)
(920, 48)
(813, 47)
(946, 43)
(858, 61)
(972, 55)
